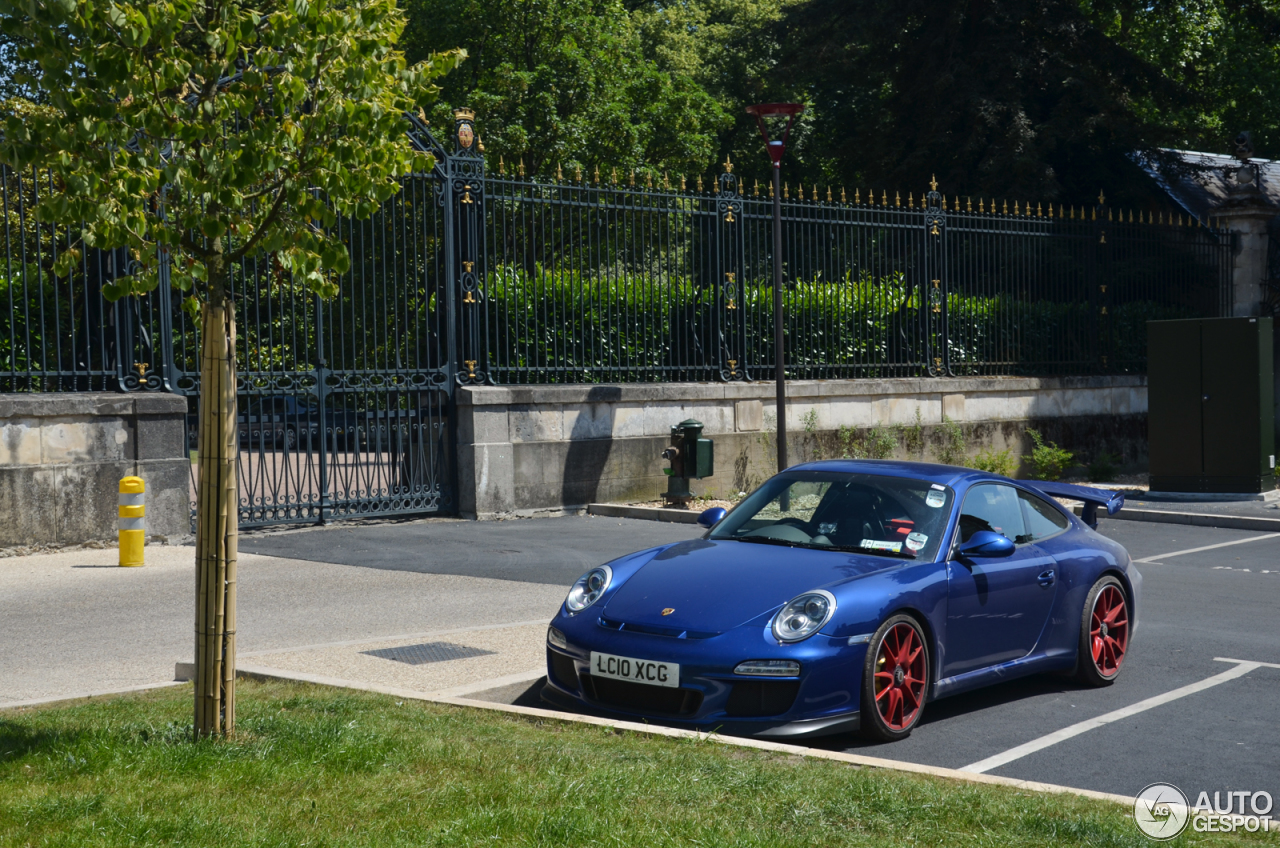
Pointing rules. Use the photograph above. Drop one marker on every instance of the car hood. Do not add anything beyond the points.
(713, 586)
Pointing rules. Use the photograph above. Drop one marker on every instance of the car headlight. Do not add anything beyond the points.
(588, 589)
(803, 616)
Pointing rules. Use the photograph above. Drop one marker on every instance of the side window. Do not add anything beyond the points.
(1041, 519)
(992, 506)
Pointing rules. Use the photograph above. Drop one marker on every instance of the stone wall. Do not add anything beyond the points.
(62, 457)
(528, 449)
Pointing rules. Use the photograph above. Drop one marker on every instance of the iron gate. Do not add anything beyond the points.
(345, 405)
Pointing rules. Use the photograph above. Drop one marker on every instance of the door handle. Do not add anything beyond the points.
(1046, 578)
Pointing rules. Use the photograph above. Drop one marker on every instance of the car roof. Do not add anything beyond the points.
(945, 475)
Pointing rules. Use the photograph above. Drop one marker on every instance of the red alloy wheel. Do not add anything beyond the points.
(1109, 631)
(900, 676)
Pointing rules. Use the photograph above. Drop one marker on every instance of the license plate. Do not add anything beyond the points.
(637, 671)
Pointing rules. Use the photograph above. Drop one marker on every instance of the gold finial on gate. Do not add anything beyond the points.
(728, 166)
(577, 173)
(897, 199)
(502, 167)
(521, 167)
(857, 196)
(800, 190)
(683, 185)
(843, 198)
(597, 174)
(699, 182)
(814, 195)
(1102, 198)
(981, 208)
(559, 174)
(828, 194)
(733, 367)
(770, 188)
(884, 198)
(933, 182)
(968, 204)
(755, 190)
(1038, 213)
(648, 179)
(666, 182)
(786, 192)
(471, 368)
(911, 200)
(632, 178)
(141, 367)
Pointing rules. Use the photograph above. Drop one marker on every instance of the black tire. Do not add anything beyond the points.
(911, 679)
(1111, 638)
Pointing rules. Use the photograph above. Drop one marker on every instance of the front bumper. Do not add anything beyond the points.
(823, 699)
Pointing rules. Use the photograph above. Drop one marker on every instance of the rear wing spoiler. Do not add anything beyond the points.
(1113, 502)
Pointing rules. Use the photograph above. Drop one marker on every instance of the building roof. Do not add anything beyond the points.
(1203, 187)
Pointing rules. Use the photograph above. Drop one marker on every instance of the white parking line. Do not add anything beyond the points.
(1208, 547)
(1065, 733)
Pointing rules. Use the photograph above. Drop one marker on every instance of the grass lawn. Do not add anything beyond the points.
(317, 767)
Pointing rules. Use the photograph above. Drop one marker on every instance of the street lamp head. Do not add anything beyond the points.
(763, 111)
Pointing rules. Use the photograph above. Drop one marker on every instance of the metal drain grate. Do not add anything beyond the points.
(427, 652)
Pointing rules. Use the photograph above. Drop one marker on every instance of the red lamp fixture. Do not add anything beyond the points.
(763, 111)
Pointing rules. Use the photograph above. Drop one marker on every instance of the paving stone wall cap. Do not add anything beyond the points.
(648, 392)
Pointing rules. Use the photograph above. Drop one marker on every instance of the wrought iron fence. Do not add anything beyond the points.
(584, 280)
(587, 281)
(468, 278)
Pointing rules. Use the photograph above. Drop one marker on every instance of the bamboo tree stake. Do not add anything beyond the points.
(217, 529)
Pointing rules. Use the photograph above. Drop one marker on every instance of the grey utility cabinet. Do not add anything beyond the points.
(1210, 405)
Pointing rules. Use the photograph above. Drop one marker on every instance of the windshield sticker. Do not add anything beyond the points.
(826, 529)
(935, 499)
(916, 541)
(874, 545)
(936, 487)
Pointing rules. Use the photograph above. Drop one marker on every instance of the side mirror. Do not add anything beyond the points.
(711, 517)
(986, 543)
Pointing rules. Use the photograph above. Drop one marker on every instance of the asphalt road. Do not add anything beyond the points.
(1222, 602)
(541, 550)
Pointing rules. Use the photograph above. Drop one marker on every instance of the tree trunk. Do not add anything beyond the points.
(216, 523)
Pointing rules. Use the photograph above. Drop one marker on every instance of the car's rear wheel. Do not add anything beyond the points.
(1104, 633)
(895, 680)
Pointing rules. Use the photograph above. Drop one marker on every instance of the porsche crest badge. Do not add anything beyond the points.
(668, 610)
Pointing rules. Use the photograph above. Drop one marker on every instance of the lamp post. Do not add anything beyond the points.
(776, 148)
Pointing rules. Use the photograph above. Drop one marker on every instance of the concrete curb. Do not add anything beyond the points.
(1158, 516)
(84, 696)
(645, 513)
(1198, 519)
(262, 673)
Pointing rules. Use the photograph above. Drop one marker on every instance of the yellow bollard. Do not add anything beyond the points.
(132, 521)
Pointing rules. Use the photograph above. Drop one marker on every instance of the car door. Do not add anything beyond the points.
(996, 606)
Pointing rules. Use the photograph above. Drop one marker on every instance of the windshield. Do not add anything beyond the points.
(866, 513)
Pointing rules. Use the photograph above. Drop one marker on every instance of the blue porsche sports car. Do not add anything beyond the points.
(848, 594)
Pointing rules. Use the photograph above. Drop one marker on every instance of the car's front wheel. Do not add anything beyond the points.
(1104, 633)
(895, 680)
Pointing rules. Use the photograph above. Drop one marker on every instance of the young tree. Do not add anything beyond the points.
(197, 134)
